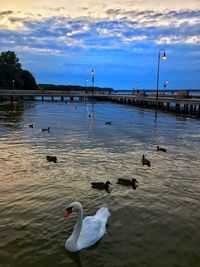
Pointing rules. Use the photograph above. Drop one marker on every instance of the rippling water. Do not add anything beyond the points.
(156, 225)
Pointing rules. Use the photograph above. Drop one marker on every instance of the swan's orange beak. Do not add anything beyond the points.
(67, 213)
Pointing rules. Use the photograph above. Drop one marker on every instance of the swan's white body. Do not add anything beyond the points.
(86, 231)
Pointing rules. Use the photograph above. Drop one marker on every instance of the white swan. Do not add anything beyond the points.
(86, 231)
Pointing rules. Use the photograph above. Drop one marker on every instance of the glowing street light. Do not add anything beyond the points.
(13, 84)
(165, 83)
(164, 57)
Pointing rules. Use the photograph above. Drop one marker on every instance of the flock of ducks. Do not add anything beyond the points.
(123, 181)
(49, 158)
(54, 158)
(101, 185)
(43, 130)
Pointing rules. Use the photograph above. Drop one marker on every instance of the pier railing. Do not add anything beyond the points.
(140, 93)
(172, 93)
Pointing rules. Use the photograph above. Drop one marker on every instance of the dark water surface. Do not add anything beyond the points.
(156, 225)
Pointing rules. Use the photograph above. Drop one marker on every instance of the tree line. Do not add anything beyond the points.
(12, 76)
(72, 87)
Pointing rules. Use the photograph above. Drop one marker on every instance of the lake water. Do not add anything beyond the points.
(156, 225)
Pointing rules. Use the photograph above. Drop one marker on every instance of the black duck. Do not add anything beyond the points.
(128, 182)
(101, 185)
(46, 129)
(145, 161)
(161, 149)
(51, 159)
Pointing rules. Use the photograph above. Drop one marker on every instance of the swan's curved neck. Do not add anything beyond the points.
(78, 225)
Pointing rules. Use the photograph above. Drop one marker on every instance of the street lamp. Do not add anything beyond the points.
(92, 77)
(164, 57)
(165, 83)
(13, 84)
(86, 82)
(92, 73)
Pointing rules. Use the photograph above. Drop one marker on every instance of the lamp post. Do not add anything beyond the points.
(86, 85)
(86, 82)
(164, 57)
(13, 84)
(92, 73)
(92, 78)
(165, 83)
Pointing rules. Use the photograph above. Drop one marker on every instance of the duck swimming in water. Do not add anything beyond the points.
(51, 159)
(128, 182)
(161, 149)
(145, 161)
(46, 129)
(101, 185)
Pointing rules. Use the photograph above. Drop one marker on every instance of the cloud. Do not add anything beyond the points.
(119, 30)
(57, 8)
(4, 13)
(110, 34)
(192, 40)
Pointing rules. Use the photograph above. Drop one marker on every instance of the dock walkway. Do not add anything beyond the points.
(179, 101)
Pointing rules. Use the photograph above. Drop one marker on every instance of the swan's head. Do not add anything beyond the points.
(108, 182)
(74, 206)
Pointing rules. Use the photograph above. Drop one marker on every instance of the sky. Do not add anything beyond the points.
(61, 41)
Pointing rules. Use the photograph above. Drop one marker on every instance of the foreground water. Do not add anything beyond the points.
(156, 225)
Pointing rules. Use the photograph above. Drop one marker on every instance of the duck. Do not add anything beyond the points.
(101, 185)
(161, 149)
(51, 159)
(123, 181)
(108, 123)
(86, 231)
(145, 161)
(46, 129)
(30, 126)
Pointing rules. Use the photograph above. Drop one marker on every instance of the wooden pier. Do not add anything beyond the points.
(179, 105)
(180, 101)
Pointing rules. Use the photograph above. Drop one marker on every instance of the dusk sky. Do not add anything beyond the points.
(61, 41)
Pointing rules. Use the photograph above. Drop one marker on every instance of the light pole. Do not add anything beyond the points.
(165, 83)
(92, 78)
(92, 73)
(13, 84)
(164, 57)
(86, 82)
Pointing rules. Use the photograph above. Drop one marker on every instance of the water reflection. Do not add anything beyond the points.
(11, 113)
(75, 256)
(155, 118)
(90, 114)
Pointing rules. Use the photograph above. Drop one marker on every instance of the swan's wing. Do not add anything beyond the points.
(102, 214)
(93, 228)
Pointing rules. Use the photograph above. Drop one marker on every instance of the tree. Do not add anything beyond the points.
(12, 76)
(28, 79)
(10, 60)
